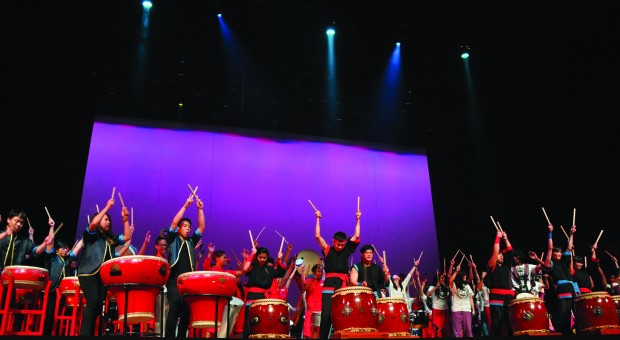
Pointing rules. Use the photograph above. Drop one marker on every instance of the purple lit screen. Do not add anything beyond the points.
(250, 181)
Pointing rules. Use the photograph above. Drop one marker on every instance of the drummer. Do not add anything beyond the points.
(312, 287)
(367, 274)
(14, 244)
(182, 259)
(336, 266)
(58, 265)
(99, 243)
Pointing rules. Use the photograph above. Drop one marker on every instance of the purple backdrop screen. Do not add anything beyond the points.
(252, 180)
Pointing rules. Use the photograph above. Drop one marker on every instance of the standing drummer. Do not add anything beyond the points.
(182, 259)
(336, 266)
(501, 289)
(15, 244)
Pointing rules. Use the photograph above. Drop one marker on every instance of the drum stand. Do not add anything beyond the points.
(217, 302)
(126, 330)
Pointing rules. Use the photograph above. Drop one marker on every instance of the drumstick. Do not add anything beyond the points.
(373, 247)
(60, 226)
(251, 239)
(261, 231)
(28, 220)
(121, 198)
(193, 191)
(48, 213)
(599, 236)
(131, 215)
(113, 191)
(419, 258)
(457, 252)
(97, 206)
(608, 253)
(547, 217)
(313, 207)
(461, 260)
(384, 258)
(281, 236)
(444, 265)
(235, 254)
(542, 254)
(574, 213)
(500, 227)
(494, 224)
(88, 219)
(471, 257)
(281, 245)
(564, 231)
(358, 203)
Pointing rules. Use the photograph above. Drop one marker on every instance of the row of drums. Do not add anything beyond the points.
(210, 293)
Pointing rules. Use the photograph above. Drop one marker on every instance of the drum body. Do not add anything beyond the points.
(269, 318)
(27, 281)
(354, 309)
(202, 290)
(595, 310)
(139, 278)
(528, 315)
(236, 305)
(616, 299)
(67, 287)
(393, 316)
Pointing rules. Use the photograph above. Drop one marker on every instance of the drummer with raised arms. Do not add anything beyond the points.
(99, 242)
(14, 244)
(182, 259)
(336, 265)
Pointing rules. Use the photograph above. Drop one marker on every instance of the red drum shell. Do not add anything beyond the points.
(594, 311)
(393, 315)
(616, 299)
(68, 286)
(354, 309)
(528, 315)
(135, 270)
(269, 316)
(195, 288)
(25, 277)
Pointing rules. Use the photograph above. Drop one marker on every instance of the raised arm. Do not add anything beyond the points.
(147, 239)
(177, 218)
(127, 229)
(573, 229)
(94, 223)
(201, 216)
(317, 232)
(51, 232)
(495, 253)
(547, 263)
(356, 234)
(78, 247)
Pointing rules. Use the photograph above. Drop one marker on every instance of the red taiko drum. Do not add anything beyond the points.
(528, 315)
(354, 309)
(269, 318)
(67, 287)
(616, 299)
(595, 310)
(393, 316)
(143, 276)
(27, 281)
(201, 290)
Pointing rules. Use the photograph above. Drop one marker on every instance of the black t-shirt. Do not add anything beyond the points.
(183, 264)
(373, 275)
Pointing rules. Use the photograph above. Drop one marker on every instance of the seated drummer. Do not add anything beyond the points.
(15, 244)
(367, 274)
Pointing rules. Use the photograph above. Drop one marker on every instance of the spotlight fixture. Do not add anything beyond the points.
(465, 51)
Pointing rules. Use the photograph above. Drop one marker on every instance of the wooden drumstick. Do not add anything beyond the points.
(384, 258)
(457, 252)
(608, 253)
(261, 231)
(88, 219)
(500, 227)
(494, 224)
(358, 203)
(574, 213)
(547, 217)
(471, 257)
(28, 220)
(48, 213)
(281, 245)
(419, 258)
(235, 254)
(564, 231)
(461, 260)
(251, 238)
(113, 192)
(97, 206)
(193, 191)
(444, 265)
(376, 252)
(121, 198)
(131, 215)
(60, 226)
(281, 236)
(599, 236)
(313, 207)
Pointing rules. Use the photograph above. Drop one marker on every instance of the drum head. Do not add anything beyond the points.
(525, 296)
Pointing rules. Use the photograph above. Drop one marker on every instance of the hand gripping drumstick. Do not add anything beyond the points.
(313, 207)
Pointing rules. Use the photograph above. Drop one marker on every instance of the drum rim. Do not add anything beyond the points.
(198, 272)
(525, 300)
(263, 302)
(133, 257)
(592, 295)
(345, 290)
(390, 299)
(39, 269)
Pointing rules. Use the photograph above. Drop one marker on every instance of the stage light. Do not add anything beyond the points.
(398, 44)
(147, 4)
(330, 31)
(465, 49)
(219, 15)
(464, 55)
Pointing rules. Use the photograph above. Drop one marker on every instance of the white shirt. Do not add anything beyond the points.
(440, 302)
(461, 299)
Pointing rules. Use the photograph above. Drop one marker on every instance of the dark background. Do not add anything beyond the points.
(539, 131)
